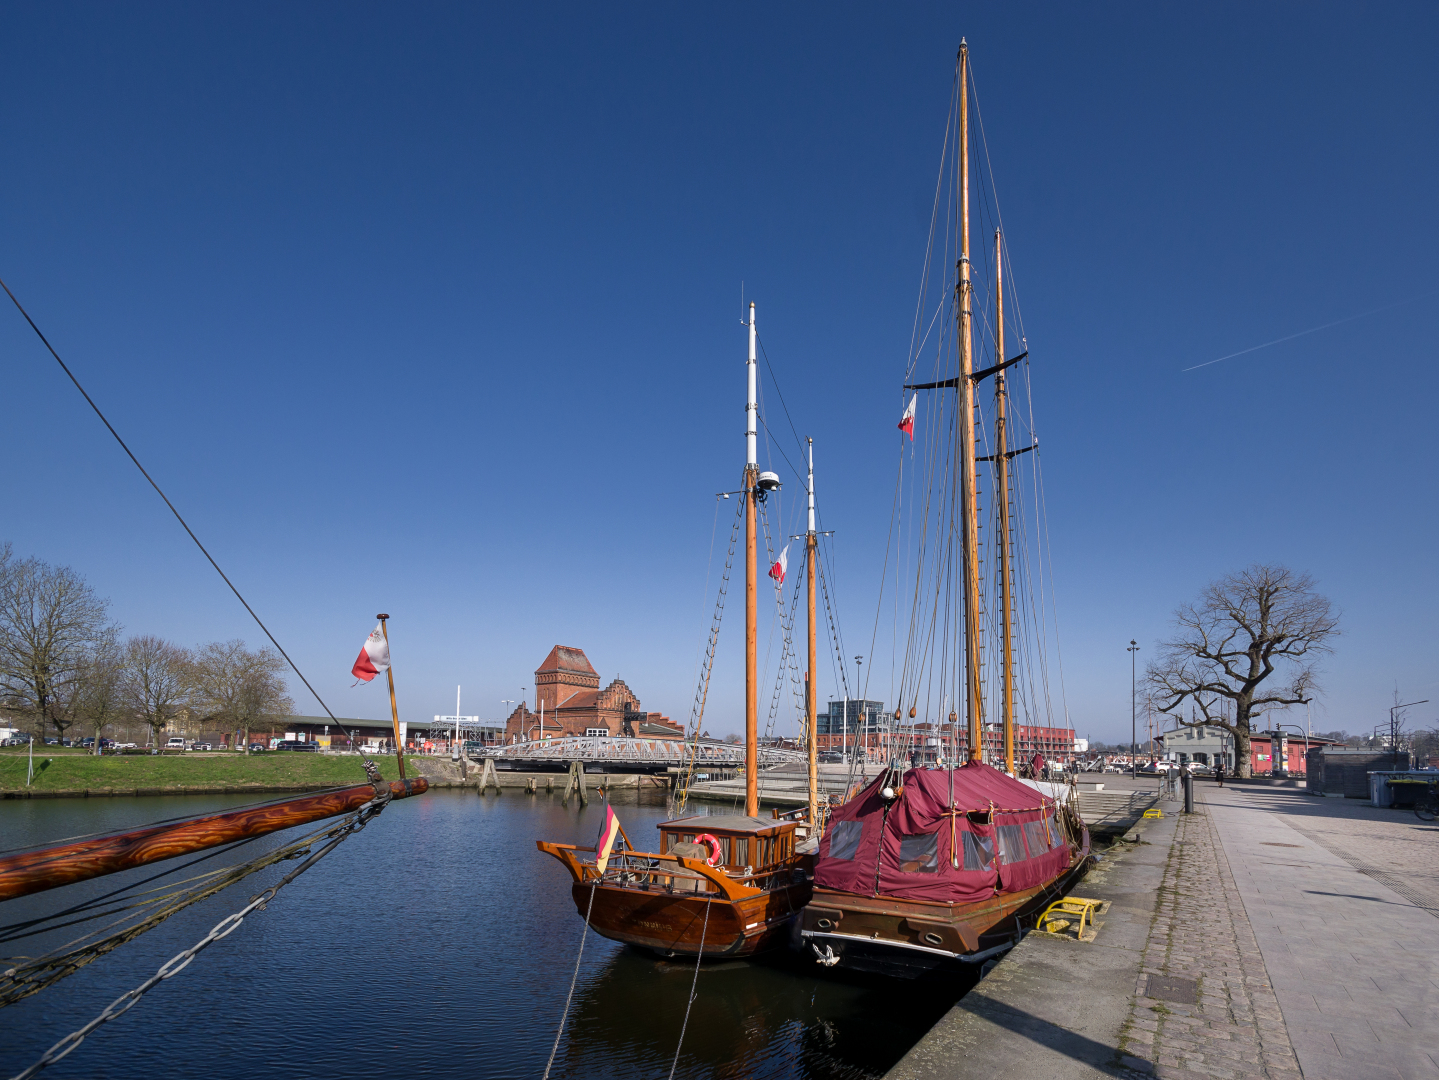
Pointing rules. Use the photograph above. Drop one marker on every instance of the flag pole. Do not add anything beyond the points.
(394, 709)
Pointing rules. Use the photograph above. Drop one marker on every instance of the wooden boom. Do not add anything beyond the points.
(48, 868)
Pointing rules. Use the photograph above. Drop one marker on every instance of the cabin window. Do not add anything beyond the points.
(919, 854)
(1011, 843)
(1035, 838)
(844, 839)
(978, 851)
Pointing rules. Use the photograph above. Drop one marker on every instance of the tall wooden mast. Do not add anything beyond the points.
(969, 493)
(1001, 459)
(751, 625)
(811, 705)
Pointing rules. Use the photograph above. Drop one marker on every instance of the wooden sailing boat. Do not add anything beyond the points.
(933, 866)
(719, 886)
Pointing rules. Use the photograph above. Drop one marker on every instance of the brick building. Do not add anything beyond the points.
(569, 701)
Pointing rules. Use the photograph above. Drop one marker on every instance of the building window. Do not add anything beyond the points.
(597, 732)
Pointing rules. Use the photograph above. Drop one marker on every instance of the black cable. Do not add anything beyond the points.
(171, 505)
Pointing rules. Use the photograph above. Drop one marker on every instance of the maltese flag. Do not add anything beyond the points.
(906, 422)
(778, 570)
(374, 657)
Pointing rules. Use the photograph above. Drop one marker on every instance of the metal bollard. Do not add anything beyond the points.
(1188, 792)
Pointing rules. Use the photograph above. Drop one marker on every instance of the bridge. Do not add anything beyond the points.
(630, 755)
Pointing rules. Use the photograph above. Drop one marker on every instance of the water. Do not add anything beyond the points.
(437, 941)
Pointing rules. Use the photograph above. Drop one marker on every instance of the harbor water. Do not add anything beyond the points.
(438, 941)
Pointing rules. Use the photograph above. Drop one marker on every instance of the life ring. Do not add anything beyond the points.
(713, 842)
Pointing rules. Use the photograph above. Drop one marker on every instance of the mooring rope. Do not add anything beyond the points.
(584, 934)
(694, 985)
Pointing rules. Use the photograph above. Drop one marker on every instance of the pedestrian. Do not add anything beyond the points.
(1219, 773)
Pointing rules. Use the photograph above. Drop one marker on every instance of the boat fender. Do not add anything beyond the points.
(706, 838)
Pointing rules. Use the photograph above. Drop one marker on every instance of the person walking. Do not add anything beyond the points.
(1219, 773)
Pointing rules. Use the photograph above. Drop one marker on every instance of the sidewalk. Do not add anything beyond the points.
(1343, 899)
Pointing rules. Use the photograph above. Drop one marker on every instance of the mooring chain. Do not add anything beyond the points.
(177, 963)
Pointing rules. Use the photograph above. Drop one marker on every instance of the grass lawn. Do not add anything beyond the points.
(68, 769)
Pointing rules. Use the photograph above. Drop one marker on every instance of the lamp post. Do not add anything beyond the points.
(859, 700)
(506, 702)
(1133, 712)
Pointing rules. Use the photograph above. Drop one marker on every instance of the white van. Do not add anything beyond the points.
(175, 743)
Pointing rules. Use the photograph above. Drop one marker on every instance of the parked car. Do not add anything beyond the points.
(299, 747)
(201, 746)
(256, 747)
(175, 743)
(830, 757)
(1198, 769)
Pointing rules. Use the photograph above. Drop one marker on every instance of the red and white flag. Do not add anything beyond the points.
(605, 842)
(906, 422)
(781, 566)
(374, 657)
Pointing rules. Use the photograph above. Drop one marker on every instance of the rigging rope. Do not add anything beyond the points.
(183, 524)
(584, 936)
(694, 985)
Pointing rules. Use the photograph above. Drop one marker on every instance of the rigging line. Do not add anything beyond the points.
(933, 221)
(130, 454)
(694, 985)
(775, 379)
(584, 936)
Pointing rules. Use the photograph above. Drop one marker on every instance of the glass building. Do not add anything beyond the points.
(862, 717)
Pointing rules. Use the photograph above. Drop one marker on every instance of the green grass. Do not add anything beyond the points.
(68, 770)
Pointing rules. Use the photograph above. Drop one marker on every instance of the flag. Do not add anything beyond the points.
(609, 832)
(906, 422)
(778, 570)
(374, 657)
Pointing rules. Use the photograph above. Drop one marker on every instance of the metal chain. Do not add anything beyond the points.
(177, 963)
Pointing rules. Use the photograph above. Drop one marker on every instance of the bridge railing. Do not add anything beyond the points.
(619, 748)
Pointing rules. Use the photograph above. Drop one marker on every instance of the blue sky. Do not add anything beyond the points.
(435, 311)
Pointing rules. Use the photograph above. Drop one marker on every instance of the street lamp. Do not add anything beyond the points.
(859, 706)
(1133, 713)
(507, 703)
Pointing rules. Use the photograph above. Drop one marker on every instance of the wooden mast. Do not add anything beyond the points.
(969, 493)
(1001, 458)
(811, 705)
(751, 611)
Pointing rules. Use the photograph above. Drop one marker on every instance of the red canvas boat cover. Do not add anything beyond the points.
(991, 834)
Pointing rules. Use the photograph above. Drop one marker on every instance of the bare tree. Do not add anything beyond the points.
(241, 686)
(1243, 629)
(157, 676)
(98, 698)
(50, 620)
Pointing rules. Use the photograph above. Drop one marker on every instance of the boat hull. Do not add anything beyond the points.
(886, 935)
(675, 925)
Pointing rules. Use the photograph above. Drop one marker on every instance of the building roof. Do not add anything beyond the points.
(566, 658)
(580, 699)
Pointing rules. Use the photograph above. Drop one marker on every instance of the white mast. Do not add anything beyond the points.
(751, 409)
(811, 487)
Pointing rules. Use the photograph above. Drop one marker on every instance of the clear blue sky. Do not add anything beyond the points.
(434, 310)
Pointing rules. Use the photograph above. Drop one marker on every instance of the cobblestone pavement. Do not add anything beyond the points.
(1343, 899)
(1200, 944)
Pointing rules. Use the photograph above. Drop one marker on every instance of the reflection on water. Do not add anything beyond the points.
(438, 940)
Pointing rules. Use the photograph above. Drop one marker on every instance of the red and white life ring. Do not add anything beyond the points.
(714, 845)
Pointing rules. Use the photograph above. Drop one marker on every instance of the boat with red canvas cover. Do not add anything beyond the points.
(941, 868)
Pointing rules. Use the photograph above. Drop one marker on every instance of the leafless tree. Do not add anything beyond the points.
(242, 686)
(50, 620)
(98, 698)
(156, 678)
(1243, 629)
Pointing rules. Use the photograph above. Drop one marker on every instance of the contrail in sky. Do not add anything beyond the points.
(1311, 330)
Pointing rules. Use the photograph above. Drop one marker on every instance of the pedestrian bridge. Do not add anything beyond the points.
(639, 755)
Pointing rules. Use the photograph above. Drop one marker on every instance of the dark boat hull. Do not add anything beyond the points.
(886, 935)
(673, 924)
